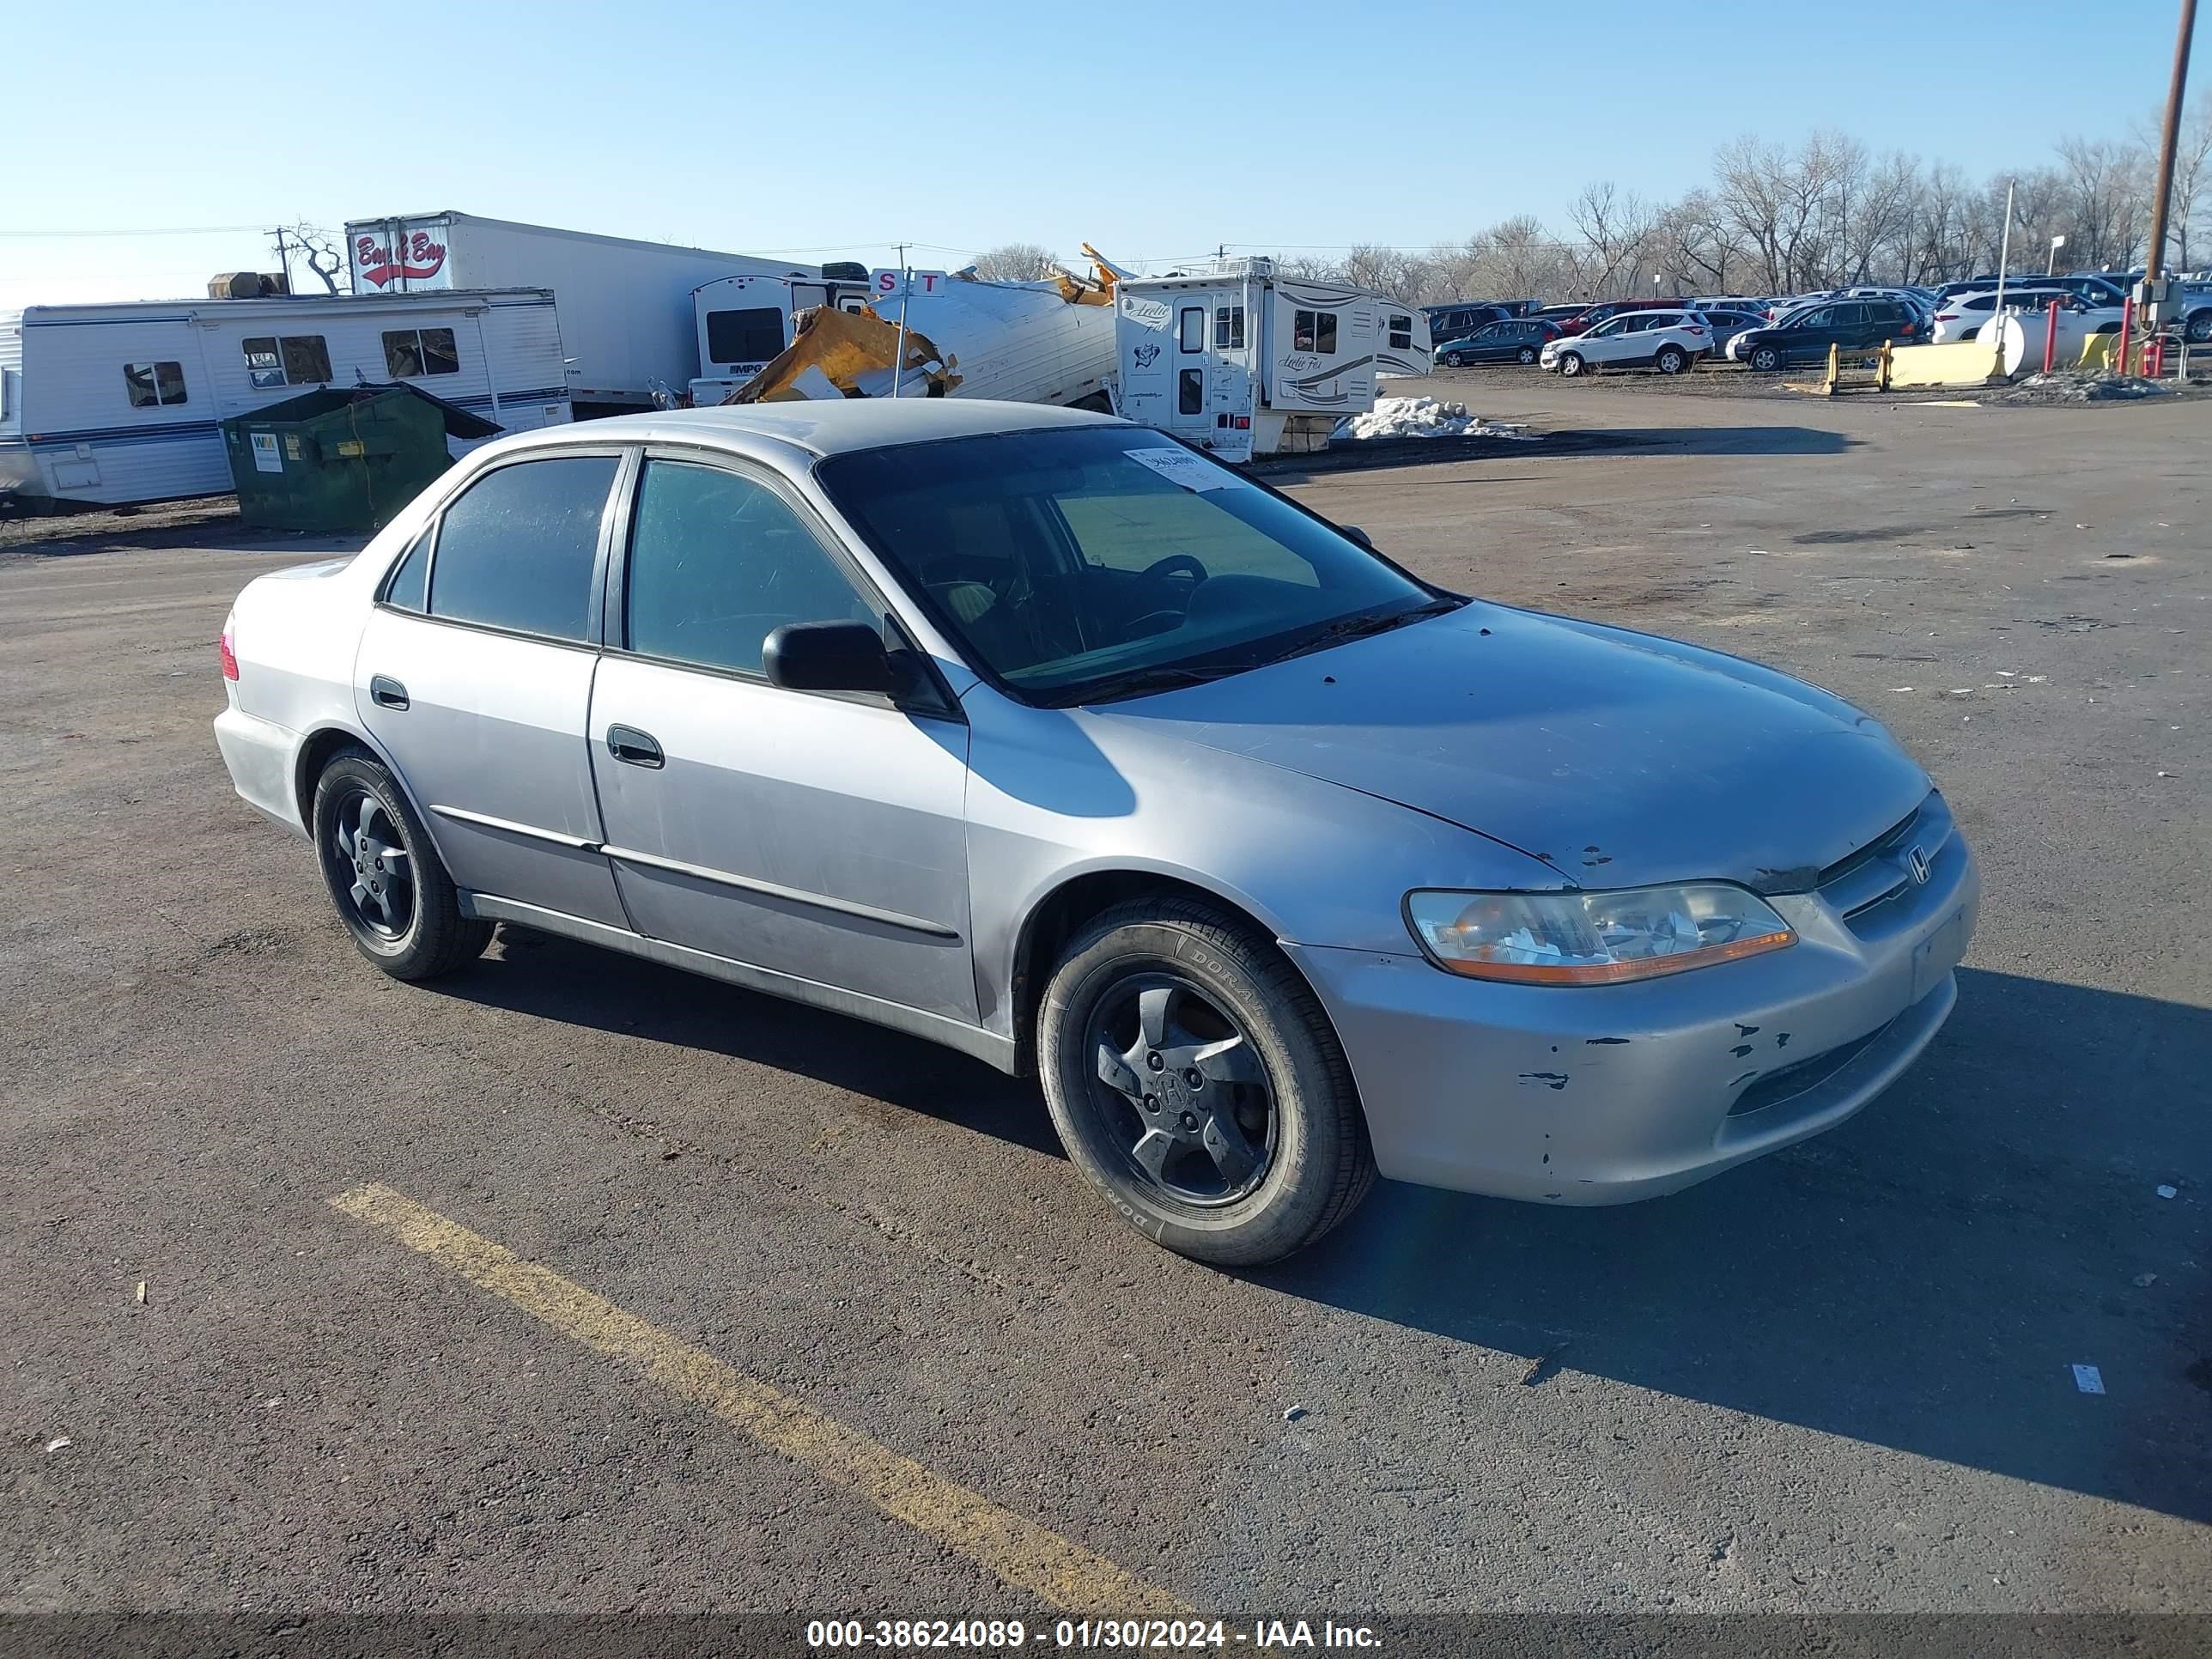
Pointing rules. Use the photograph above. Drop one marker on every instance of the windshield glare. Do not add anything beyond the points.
(1065, 560)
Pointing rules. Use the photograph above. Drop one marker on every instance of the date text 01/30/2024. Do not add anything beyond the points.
(1140, 1634)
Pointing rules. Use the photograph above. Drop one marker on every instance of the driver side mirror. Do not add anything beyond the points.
(1353, 532)
(830, 656)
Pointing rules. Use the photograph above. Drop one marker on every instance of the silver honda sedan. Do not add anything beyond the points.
(1044, 736)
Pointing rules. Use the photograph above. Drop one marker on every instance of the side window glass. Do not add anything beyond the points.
(517, 548)
(1401, 333)
(409, 587)
(1191, 328)
(1190, 392)
(718, 562)
(1325, 332)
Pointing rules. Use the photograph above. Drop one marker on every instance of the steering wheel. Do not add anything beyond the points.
(1176, 564)
(1166, 621)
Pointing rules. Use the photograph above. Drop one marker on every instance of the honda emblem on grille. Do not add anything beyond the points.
(1917, 862)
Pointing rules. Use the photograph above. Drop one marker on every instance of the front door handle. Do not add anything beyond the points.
(634, 747)
(386, 691)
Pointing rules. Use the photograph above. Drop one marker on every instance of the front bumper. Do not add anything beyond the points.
(1607, 1094)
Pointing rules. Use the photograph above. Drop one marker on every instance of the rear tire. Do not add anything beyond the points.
(1243, 1162)
(1527, 354)
(2198, 328)
(1671, 359)
(1765, 358)
(385, 877)
(1570, 363)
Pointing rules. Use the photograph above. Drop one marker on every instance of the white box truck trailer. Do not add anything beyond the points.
(1243, 362)
(626, 308)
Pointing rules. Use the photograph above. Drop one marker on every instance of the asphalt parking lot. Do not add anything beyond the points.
(821, 1322)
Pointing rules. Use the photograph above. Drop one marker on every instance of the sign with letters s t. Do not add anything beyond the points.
(895, 284)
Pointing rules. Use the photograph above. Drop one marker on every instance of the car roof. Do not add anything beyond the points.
(837, 426)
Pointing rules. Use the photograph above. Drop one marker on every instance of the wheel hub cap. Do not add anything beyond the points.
(1198, 1116)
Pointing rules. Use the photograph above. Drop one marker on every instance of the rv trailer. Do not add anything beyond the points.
(626, 306)
(743, 322)
(123, 403)
(1243, 362)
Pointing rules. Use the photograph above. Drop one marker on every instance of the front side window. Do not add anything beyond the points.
(286, 359)
(517, 548)
(1313, 331)
(411, 353)
(1089, 563)
(718, 561)
(154, 385)
(1190, 329)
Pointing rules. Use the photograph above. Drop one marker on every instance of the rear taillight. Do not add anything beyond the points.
(229, 656)
(1946, 316)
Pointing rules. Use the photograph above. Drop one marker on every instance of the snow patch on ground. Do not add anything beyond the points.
(1424, 417)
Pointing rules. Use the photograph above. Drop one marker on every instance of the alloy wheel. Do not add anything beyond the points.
(1182, 1089)
(372, 872)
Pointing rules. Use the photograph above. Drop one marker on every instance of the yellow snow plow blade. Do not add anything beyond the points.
(1096, 289)
(843, 348)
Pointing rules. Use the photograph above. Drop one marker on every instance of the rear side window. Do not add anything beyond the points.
(151, 385)
(516, 550)
(412, 352)
(752, 335)
(409, 586)
(1401, 333)
(718, 562)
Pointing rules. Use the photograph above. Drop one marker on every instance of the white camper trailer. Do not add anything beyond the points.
(116, 404)
(745, 321)
(626, 305)
(1243, 362)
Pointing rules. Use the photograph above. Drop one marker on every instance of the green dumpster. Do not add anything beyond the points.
(341, 460)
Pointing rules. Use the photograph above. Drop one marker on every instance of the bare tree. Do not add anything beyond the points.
(322, 251)
(1614, 225)
(2104, 196)
(1017, 262)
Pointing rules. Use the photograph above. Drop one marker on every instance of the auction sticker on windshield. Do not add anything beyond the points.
(1180, 466)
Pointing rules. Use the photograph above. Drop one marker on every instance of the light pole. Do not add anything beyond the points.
(2050, 268)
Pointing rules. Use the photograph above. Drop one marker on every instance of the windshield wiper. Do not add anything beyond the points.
(1165, 676)
(1360, 627)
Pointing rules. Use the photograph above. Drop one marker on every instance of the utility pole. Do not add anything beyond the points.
(2154, 261)
(283, 257)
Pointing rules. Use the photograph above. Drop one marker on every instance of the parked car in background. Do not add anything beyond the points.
(1025, 731)
(1515, 340)
(1560, 313)
(1667, 341)
(1458, 321)
(1590, 316)
(2097, 291)
(1727, 325)
(1962, 316)
(1805, 335)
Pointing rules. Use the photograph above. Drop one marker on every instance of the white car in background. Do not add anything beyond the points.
(1963, 316)
(1667, 341)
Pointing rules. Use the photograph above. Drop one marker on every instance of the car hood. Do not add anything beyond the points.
(1617, 759)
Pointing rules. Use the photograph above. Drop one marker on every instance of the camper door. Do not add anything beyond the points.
(1322, 345)
(1185, 365)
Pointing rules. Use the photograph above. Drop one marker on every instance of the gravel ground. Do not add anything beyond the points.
(1840, 1378)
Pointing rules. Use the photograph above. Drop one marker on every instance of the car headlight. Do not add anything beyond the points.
(1593, 939)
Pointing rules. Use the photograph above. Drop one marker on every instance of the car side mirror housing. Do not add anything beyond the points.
(1353, 532)
(830, 656)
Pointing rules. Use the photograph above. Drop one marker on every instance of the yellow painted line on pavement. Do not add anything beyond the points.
(1022, 1554)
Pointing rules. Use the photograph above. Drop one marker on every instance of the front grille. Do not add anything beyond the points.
(1881, 870)
(1804, 1076)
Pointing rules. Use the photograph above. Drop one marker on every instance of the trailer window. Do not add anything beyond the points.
(293, 360)
(1313, 330)
(150, 384)
(1190, 328)
(1190, 392)
(412, 352)
(1401, 333)
(753, 336)
(1229, 327)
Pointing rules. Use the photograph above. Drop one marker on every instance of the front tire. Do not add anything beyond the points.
(1196, 1080)
(1765, 359)
(1570, 363)
(1452, 360)
(385, 877)
(2198, 328)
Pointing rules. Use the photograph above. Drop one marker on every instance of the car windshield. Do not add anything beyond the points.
(1081, 564)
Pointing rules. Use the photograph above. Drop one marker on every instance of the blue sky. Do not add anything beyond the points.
(1154, 130)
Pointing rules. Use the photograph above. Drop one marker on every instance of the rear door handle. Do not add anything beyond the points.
(388, 691)
(634, 747)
